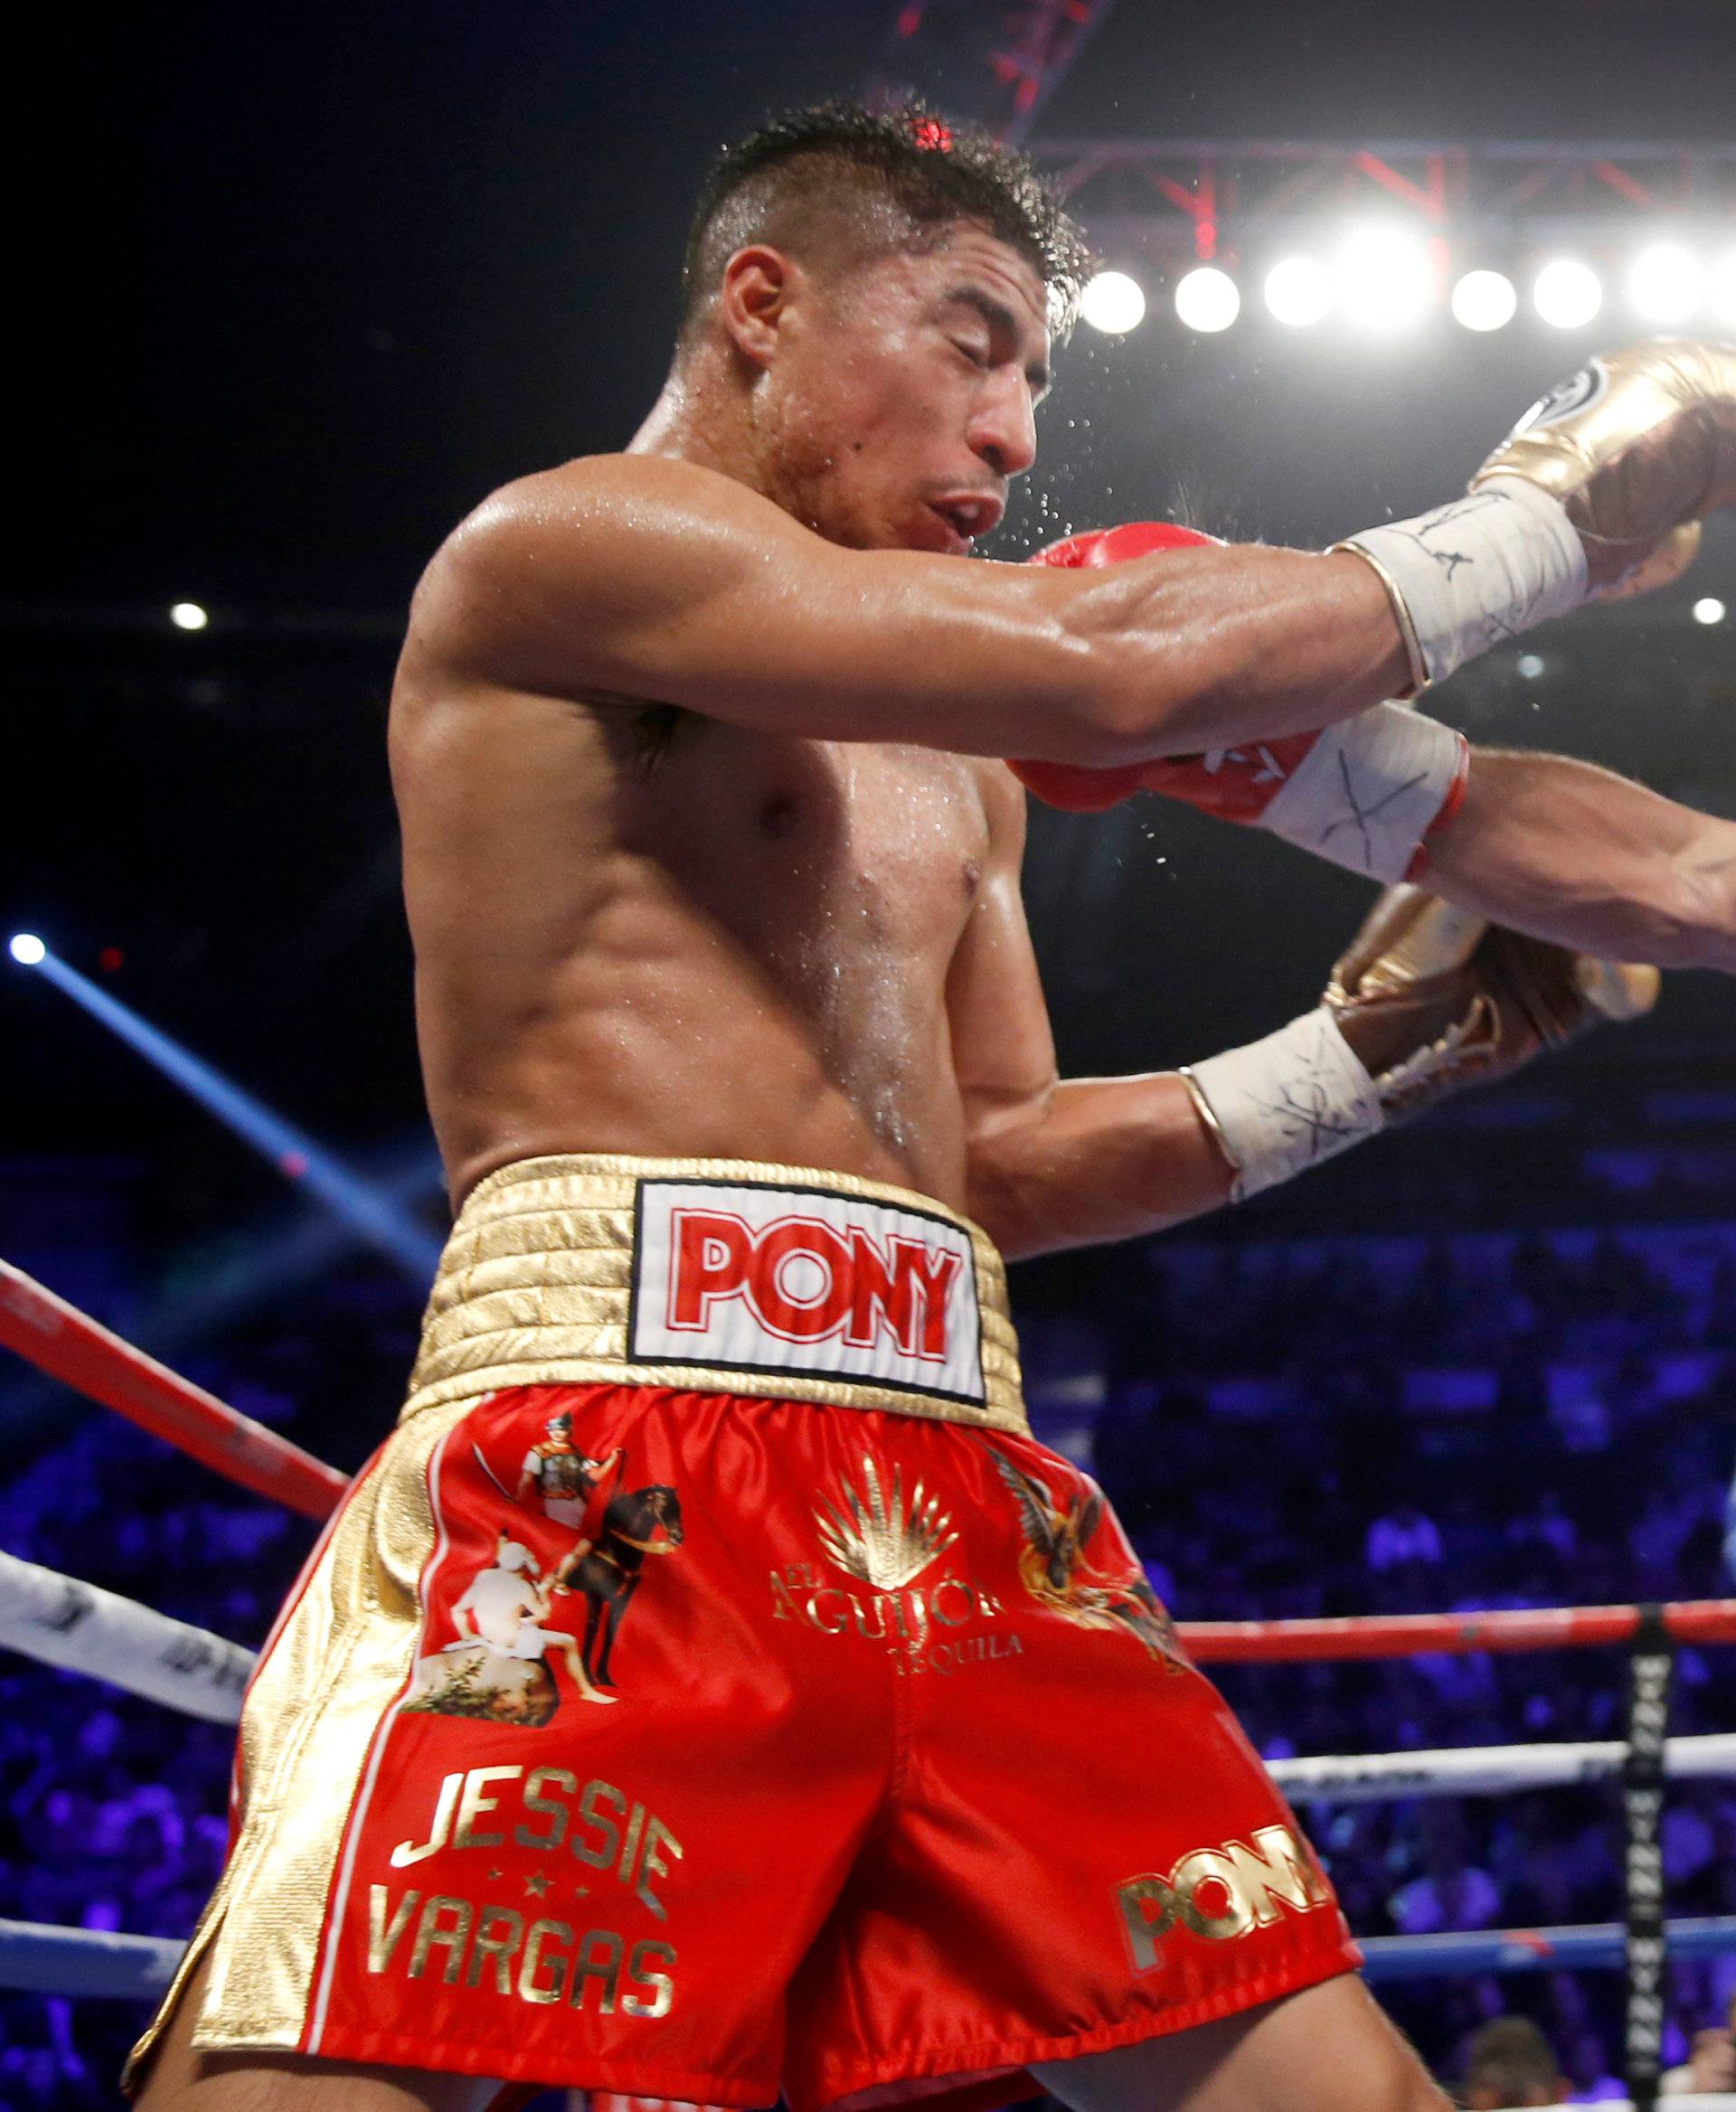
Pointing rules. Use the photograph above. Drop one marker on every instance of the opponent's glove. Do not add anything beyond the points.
(1427, 1000)
(1363, 793)
(1599, 489)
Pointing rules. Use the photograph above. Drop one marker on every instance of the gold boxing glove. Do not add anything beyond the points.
(1599, 490)
(1427, 1000)
(1639, 447)
(1432, 998)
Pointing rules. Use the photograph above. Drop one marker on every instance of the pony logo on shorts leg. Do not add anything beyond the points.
(1221, 1892)
(1055, 1565)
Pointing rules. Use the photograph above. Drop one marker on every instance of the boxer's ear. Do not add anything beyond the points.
(753, 297)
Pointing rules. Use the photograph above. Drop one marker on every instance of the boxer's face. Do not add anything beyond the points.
(901, 399)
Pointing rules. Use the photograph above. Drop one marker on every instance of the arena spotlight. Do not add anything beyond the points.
(27, 949)
(1567, 294)
(1709, 609)
(1723, 290)
(1297, 292)
(1531, 666)
(1485, 300)
(1207, 299)
(188, 615)
(375, 1217)
(1381, 279)
(1113, 303)
(1666, 284)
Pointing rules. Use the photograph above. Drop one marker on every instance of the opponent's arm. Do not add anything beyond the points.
(651, 578)
(1599, 489)
(1571, 853)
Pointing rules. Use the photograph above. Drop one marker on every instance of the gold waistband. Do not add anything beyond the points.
(534, 1287)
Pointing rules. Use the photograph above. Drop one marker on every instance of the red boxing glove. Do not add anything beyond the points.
(1363, 794)
(1071, 784)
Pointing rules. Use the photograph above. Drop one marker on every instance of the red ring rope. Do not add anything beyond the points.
(69, 1345)
(1564, 1628)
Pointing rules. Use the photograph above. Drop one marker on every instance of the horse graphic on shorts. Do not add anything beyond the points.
(636, 1524)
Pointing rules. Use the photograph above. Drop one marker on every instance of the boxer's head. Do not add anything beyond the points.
(868, 303)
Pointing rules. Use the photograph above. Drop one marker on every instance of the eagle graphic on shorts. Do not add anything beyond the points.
(1053, 1564)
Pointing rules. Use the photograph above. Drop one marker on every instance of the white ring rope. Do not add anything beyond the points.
(1489, 1771)
(80, 1628)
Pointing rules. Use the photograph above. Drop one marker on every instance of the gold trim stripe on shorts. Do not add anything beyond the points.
(533, 1290)
(321, 1697)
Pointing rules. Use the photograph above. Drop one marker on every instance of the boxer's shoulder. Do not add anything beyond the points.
(605, 509)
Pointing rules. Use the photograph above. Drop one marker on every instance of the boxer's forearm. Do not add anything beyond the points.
(1209, 648)
(1098, 1159)
(1574, 853)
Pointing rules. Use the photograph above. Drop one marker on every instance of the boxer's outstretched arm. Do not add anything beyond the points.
(1571, 853)
(649, 578)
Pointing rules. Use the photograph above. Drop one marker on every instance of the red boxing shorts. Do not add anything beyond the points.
(712, 1689)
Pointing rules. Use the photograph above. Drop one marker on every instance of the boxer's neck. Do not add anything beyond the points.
(704, 415)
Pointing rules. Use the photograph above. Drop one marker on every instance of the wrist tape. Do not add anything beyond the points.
(1475, 571)
(1371, 789)
(1281, 1105)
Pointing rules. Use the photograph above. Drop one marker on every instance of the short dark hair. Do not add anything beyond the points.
(821, 170)
(1511, 2057)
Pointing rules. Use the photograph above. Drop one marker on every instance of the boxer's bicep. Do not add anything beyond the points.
(660, 580)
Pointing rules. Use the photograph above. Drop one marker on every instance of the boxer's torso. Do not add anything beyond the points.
(638, 930)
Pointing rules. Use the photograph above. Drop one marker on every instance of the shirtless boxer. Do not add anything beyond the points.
(729, 1016)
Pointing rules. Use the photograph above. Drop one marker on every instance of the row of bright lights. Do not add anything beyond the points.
(1380, 280)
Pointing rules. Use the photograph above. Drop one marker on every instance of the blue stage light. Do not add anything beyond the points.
(373, 1215)
(27, 949)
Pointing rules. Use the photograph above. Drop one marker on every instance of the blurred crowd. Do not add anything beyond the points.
(1297, 1428)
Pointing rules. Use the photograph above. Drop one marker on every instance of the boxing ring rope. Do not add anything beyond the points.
(1456, 1634)
(69, 1345)
(1389, 1958)
(1490, 1770)
(78, 1626)
(38, 1958)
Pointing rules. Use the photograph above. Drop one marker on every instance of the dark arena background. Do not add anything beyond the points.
(306, 285)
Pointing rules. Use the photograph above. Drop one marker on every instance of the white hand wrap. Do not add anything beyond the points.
(1475, 571)
(1282, 1105)
(1370, 789)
